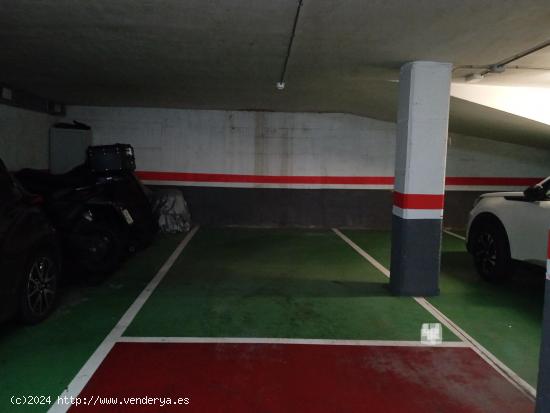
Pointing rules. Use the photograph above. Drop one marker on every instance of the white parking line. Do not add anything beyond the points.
(275, 340)
(490, 358)
(89, 368)
(453, 234)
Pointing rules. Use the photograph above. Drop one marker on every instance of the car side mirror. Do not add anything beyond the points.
(535, 193)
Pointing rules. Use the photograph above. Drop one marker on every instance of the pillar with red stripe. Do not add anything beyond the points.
(422, 127)
(543, 384)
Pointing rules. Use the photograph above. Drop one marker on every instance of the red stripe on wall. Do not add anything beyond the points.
(265, 179)
(495, 181)
(418, 201)
(322, 180)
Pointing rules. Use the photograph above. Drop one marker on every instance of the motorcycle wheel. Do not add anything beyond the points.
(101, 248)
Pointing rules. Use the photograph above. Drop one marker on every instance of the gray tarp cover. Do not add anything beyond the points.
(172, 211)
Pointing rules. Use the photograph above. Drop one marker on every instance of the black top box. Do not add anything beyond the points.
(111, 158)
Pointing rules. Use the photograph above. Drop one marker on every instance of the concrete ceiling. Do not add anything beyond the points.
(228, 54)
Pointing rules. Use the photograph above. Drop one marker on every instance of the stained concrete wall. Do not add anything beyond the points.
(24, 137)
(265, 143)
(257, 143)
(293, 145)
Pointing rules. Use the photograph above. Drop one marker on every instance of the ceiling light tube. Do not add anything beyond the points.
(474, 78)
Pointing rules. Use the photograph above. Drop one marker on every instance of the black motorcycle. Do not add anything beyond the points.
(102, 214)
(93, 228)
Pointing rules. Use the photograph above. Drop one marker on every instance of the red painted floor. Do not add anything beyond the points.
(264, 378)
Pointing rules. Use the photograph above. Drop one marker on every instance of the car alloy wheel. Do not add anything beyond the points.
(41, 286)
(486, 252)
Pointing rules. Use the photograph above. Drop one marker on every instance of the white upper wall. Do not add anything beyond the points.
(287, 144)
(469, 156)
(24, 141)
(261, 143)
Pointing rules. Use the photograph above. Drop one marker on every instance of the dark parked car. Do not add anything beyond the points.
(29, 255)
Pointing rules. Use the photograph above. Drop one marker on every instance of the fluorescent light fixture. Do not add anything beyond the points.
(474, 78)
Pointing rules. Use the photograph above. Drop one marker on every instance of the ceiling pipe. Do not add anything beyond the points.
(281, 82)
(499, 67)
(521, 54)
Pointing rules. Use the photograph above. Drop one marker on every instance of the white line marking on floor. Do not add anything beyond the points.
(453, 234)
(362, 253)
(275, 340)
(89, 368)
(490, 358)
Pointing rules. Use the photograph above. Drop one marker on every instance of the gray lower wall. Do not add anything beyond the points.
(308, 207)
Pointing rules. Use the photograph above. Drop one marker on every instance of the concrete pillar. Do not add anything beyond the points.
(543, 385)
(422, 126)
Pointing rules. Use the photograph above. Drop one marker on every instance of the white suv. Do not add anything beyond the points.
(506, 226)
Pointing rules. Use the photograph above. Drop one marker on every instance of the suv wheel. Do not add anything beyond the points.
(491, 253)
(38, 293)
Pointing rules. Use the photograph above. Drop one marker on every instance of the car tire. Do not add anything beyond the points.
(491, 252)
(102, 250)
(39, 288)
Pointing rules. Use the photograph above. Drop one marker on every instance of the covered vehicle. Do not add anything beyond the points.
(172, 210)
(29, 255)
(507, 226)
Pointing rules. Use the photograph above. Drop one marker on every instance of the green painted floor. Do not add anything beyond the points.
(303, 283)
(276, 283)
(505, 318)
(43, 359)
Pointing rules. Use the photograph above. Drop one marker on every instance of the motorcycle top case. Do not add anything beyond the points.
(111, 158)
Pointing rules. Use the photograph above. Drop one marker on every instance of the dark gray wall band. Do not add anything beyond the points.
(289, 207)
(345, 208)
(415, 256)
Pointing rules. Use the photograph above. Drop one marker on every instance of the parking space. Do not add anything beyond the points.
(505, 317)
(41, 360)
(276, 283)
(232, 310)
(291, 377)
